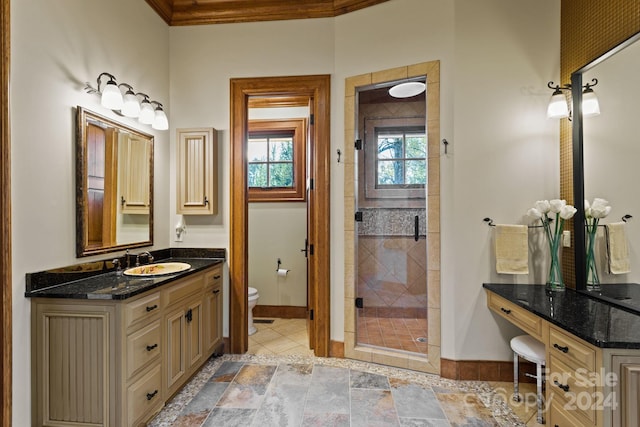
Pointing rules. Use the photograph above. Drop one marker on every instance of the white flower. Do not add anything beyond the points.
(543, 206)
(567, 211)
(599, 208)
(557, 205)
(534, 213)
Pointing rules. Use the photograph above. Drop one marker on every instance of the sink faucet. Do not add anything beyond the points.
(144, 253)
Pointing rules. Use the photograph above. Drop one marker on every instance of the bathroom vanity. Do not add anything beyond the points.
(111, 349)
(592, 352)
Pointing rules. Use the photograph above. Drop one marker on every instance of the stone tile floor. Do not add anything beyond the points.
(301, 390)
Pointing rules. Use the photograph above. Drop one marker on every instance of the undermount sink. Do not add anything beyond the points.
(157, 269)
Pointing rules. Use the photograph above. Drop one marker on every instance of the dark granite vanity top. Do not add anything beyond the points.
(98, 279)
(625, 295)
(595, 321)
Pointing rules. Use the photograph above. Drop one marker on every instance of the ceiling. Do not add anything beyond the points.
(196, 12)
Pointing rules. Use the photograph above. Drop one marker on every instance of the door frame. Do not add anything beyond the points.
(5, 220)
(352, 350)
(318, 88)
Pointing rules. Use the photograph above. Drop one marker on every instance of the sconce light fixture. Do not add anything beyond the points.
(407, 89)
(128, 104)
(559, 107)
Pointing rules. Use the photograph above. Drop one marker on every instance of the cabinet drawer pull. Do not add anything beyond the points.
(152, 395)
(564, 387)
(216, 277)
(561, 348)
(151, 347)
(215, 291)
(151, 308)
(505, 310)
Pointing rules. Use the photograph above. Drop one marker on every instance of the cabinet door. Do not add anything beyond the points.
(627, 389)
(134, 186)
(175, 366)
(194, 335)
(213, 319)
(197, 178)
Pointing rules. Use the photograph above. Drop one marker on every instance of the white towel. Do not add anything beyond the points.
(617, 248)
(512, 249)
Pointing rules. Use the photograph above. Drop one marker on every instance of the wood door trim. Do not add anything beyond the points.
(5, 221)
(318, 87)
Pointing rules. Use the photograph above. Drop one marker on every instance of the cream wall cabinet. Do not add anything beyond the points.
(115, 363)
(197, 175)
(134, 172)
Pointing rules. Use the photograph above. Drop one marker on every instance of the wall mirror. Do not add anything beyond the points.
(606, 151)
(114, 185)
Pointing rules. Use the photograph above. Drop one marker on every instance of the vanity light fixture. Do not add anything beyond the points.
(559, 107)
(407, 89)
(129, 104)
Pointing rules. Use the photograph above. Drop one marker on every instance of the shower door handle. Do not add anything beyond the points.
(416, 229)
(306, 247)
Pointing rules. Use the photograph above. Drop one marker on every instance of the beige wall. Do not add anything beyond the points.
(57, 46)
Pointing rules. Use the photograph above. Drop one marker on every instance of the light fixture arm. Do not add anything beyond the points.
(588, 86)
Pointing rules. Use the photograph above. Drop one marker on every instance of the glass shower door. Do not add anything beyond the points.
(391, 241)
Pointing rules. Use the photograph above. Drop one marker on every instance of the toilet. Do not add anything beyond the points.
(253, 300)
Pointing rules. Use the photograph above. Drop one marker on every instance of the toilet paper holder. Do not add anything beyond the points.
(281, 271)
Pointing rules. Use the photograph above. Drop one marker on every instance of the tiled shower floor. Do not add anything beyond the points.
(250, 390)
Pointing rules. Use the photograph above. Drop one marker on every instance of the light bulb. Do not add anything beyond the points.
(590, 105)
(131, 106)
(407, 89)
(160, 121)
(147, 115)
(557, 108)
(111, 96)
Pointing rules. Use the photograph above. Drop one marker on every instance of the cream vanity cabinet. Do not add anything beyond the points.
(586, 384)
(116, 362)
(197, 177)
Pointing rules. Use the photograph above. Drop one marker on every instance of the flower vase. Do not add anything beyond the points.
(593, 281)
(555, 281)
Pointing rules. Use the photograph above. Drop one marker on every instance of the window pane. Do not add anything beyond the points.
(281, 175)
(257, 150)
(390, 172)
(416, 172)
(390, 146)
(416, 146)
(257, 174)
(280, 149)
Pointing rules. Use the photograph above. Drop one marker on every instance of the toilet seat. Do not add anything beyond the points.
(252, 291)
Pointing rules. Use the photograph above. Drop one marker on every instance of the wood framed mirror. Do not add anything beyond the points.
(114, 185)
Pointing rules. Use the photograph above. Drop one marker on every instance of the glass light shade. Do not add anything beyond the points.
(131, 106)
(407, 89)
(160, 121)
(590, 105)
(111, 96)
(147, 114)
(558, 108)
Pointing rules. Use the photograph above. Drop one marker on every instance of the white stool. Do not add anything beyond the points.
(532, 350)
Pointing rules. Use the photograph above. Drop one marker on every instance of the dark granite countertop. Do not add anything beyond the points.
(98, 279)
(595, 321)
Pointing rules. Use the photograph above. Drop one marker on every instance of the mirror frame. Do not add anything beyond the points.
(82, 250)
(578, 160)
